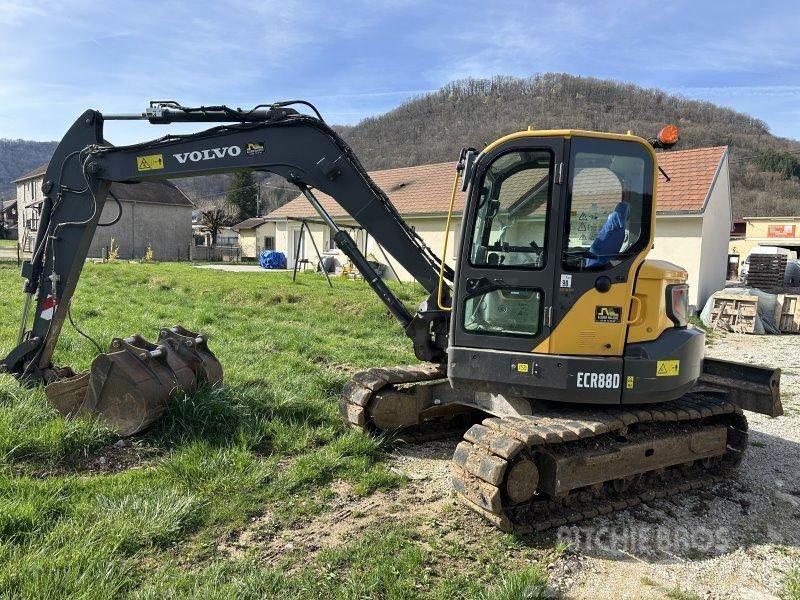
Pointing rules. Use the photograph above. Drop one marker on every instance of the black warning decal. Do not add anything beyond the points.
(608, 314)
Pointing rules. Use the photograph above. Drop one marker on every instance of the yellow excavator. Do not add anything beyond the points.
(563, 352)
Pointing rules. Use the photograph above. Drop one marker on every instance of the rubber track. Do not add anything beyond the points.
(481, 461)
(358, 392)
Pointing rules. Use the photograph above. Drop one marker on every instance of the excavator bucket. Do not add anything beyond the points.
(129, 387)
(193, 349)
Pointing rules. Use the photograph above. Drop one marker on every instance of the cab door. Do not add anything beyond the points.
(508, 256)
(605, 233)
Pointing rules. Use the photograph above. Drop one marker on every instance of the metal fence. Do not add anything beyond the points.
(217, 253)
(15, 253)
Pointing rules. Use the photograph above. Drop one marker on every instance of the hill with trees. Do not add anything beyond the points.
(17, 157)
(765, 169)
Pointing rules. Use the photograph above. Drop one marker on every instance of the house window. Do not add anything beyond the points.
(269, 243)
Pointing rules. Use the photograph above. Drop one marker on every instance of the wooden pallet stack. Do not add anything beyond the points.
(787, 313)
(734, 312)
(766, 271)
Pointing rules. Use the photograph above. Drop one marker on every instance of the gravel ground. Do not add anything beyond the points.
(735, 540)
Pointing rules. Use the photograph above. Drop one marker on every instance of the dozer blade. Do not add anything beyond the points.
(751, 387)
(193, 349)
(128, 388)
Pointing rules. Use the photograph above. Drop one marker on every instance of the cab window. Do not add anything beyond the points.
(511, 220)
(609, 202)
(505, 311)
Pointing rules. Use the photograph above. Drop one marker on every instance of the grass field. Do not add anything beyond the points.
(82, 518)
(791, 587)
(8, 243)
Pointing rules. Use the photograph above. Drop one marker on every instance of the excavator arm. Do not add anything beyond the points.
(301, 148)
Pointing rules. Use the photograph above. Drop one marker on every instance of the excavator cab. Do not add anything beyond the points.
(556, 228)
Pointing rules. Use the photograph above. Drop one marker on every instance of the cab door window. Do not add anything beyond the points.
(505, 311)
(511, 220)
(609, 209)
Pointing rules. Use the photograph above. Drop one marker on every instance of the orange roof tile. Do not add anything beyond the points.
(426, 189)
(691, 174)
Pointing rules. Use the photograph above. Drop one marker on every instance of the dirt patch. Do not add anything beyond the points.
(452, 536)
(114, 458)
(344, 368)
(117, 457)
(345, 517)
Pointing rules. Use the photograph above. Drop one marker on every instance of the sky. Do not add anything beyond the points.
(360, 58)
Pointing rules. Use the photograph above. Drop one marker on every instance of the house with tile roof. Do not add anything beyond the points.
(155, 214)
(693, 219)
(8, 218)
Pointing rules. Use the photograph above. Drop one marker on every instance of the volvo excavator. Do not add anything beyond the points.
(564, 350)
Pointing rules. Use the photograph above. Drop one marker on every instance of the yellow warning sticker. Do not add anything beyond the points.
(151, 162)
(668, 368)
(629, 382)
(522, 367)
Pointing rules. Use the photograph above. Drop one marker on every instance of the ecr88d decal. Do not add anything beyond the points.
(607, 381)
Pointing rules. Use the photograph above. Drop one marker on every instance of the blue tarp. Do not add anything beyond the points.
(272, 259)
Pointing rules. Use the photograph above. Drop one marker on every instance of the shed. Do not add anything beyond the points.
(255, 234)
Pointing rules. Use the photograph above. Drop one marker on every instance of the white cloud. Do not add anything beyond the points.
(16, 11)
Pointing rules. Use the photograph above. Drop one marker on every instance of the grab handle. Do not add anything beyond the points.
(635, 302)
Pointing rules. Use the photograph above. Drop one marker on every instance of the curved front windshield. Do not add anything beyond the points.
(511, 222)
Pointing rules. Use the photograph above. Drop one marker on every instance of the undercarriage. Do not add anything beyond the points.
(532, 465)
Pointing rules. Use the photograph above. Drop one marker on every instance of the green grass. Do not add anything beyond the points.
(269, 440)
(711, 334)
(9, 243)
(529, 584)
(387, 563)
(679, 594)
(791, 585)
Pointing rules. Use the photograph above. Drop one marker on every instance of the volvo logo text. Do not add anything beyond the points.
(209, 154)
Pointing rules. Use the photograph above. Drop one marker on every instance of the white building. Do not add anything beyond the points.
(693, 219)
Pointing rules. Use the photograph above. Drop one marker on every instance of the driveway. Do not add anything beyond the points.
(232, 268)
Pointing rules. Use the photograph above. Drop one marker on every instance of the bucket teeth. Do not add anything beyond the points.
(129, 387)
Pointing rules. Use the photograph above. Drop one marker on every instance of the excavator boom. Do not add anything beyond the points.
(300, 148)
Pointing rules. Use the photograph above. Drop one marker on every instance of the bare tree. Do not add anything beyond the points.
(216, 214)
